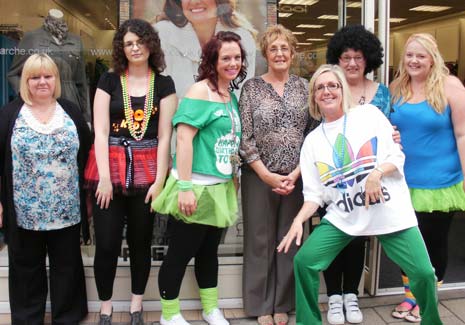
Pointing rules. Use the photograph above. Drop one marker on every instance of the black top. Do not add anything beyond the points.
(111, 84)
(8, 115)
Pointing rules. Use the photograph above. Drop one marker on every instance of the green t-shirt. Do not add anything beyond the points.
(214, 143)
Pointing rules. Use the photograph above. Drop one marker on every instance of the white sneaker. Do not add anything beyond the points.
(335, 310)
(175, 320)
(215, 317)
(353, 313)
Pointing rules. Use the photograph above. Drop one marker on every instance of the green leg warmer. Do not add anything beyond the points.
(169, 308)
(209, 299)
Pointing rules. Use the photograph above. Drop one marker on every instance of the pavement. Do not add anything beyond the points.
(376, 311)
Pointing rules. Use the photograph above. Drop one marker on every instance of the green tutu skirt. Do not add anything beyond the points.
(216, 204)
(445, 199)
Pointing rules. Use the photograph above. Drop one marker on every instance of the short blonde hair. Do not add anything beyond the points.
(434, 87)
(347, 102)
(33, 66)
(274, 32)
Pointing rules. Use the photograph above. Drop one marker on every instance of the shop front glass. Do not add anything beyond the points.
(182, 49)
(85, 53)
(445, 20)
(76, 34)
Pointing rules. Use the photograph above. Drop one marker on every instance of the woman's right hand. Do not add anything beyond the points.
(187, 202)
(396, 135)
(276, 181)
(104, 193)
(294, 233)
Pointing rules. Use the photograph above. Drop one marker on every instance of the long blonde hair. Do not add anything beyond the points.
(434, 87)
(347, 101)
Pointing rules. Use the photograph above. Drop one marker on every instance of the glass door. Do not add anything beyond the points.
(445, 20)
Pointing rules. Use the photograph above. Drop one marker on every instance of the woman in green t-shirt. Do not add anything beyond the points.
(200, 193)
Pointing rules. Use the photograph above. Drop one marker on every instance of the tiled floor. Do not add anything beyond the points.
(376, 311)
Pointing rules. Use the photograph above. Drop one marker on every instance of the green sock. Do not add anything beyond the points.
(169, 308)
(209, 299)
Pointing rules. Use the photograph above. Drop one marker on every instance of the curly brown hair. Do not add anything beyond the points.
(148, 36)
(209, 59)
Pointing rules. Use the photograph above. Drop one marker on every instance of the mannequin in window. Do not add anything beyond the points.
(67, 52)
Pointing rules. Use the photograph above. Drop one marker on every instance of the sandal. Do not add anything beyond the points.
(403, 309)
(281, 319)
(414, 315)
(265, 320)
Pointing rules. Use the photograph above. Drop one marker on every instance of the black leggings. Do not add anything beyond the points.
(344, 273)
(187, 241)
(434, 228)
(108, 224)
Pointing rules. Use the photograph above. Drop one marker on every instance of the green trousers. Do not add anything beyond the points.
(405, 248)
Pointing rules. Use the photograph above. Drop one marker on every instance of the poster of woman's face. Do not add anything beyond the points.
(184, 26)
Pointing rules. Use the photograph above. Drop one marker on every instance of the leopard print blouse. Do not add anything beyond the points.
(274, 127)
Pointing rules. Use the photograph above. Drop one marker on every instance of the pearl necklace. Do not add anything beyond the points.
(139, 132)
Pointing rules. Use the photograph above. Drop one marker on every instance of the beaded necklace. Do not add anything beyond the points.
(148, 105)
(234, 157)
(341, 185)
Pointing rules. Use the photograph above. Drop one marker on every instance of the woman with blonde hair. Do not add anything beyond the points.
(358, 52)
(351, 163)
(187, 25)
(274, 114)
(428, 110)
(44, 142)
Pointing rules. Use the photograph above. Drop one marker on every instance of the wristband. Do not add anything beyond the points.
(184, 186)
(380, 170)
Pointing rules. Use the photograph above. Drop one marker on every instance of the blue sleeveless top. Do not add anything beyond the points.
(382, 100)
(431, 156)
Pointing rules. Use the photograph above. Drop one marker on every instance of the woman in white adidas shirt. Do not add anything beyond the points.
(351, 163)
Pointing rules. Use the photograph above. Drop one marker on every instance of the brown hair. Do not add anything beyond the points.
(148, 36)
(225, 12)
(274, 32)
(209, 59)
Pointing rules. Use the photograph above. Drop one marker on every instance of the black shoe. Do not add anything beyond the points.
(136, 318)
(105, 319)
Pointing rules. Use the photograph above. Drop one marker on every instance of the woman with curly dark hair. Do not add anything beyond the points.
(200, 192)
(358, 52)
(133, 108)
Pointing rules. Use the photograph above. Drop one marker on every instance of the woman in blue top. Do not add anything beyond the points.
(428, 110)
(358, 52)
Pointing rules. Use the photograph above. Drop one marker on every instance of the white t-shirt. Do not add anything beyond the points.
(369, 143)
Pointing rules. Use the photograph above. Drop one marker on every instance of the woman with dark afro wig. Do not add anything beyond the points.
(358, 52)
